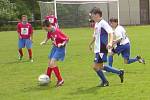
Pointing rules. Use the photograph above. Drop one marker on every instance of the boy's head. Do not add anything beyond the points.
(24, 19)
(46, 25)
(113, 22)
(96, 14)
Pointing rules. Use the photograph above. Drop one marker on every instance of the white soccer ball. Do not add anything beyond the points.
(43, 79)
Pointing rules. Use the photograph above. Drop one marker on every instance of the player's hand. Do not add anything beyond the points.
(90, 47)
(32, 41)
(43, 43)
(109, 46)
(60, 45)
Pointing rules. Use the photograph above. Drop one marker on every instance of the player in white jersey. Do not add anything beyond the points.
(122, 45)
(101, 46)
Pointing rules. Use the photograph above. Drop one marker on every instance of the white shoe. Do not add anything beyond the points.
(104, 71)
(31, 60)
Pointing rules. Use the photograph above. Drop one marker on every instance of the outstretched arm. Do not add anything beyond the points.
(44, 41)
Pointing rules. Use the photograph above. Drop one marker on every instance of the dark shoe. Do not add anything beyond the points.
(104, 84)
(140, 59)
(60, 83)
(121, 75)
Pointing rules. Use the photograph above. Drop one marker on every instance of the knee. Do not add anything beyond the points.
(97, 68)
(51, 64)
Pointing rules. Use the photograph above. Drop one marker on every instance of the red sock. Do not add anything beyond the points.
(49, 71)
(20, 52)
(57, 73)
(30, 53)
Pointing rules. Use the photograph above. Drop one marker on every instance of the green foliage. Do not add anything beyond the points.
(18, 80)
(7, 10)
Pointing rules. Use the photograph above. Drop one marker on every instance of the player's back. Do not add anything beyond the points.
(120, 32)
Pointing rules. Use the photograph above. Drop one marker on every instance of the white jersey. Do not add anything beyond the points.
(120, 33)
(102, 29)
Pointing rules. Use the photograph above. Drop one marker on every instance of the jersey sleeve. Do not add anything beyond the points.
(30, 29)
(48, 35)
(107, 27)
(64, 37)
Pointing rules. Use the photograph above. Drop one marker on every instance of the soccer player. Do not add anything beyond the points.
(52, 19)
(59, 40)
(25, 36)
(122, 45)
(101, 44)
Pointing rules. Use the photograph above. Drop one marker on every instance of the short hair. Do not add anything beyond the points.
(46, 23)
(96, 10)
(114, 20)
(24, 16)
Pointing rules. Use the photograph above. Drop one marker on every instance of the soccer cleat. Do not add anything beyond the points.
(140, 59)
(121, 75)
(20, 57)
(104, 84)
(60, 83)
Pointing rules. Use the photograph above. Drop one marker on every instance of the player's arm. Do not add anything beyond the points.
(118, 36)
(109, 30)
(44, 41)
(18, 31)
(110, 40)
(65, 40)
(62, 44)
(31, 31)
(91, 43)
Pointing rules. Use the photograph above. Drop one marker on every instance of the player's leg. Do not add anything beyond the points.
(50, 65)
(140, 59)
(29, 47)
(112, 69)
(98, 66)
(57, 54)
(21, 44)
(126, 55)
(110, 59)
(56, 70)
(116, 71)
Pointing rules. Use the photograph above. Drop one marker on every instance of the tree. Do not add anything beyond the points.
(7, 9)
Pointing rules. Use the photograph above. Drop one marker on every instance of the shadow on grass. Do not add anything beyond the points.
(37, 88)
(83, 90)
(91, 90)
(13, 62)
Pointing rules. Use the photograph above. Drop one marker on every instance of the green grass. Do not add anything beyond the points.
(18, 80)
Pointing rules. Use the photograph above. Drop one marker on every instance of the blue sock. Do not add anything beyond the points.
(110, 60)
(111, 69)
(101, 75)
(132, 60)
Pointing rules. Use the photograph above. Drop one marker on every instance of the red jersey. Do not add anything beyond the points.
(52, 19)
(57, 37)
(24, 31)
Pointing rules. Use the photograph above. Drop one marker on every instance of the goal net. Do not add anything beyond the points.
(76, 14)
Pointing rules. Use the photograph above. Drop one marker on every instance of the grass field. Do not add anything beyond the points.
(18, 80)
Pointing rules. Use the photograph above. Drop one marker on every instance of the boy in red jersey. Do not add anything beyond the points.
(59, 40)
(25, 36)
(52, 19)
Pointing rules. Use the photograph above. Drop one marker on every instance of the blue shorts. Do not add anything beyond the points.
(124, 50)
(25, 42)
(100, 57)
(57, 53)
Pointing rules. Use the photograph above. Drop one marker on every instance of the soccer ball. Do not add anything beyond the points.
(43, 79)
